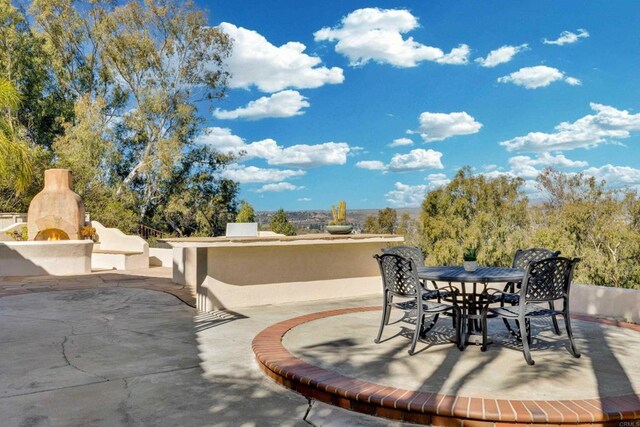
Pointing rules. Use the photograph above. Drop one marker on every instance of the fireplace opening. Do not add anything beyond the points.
(52, 234)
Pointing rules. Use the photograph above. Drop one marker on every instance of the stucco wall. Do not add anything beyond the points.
(615, 303)
(134, 250)
(160, 257)
(241, 277)
(240, 274)
(7, 219)
(39, 258)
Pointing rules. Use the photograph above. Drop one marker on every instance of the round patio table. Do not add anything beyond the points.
(473, 284)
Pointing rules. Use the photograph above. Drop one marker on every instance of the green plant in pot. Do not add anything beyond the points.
(470, 259)
(339, 223)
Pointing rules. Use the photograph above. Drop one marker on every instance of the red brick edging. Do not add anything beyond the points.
(424, 407)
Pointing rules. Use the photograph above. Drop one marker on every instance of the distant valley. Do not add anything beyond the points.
(314, 221)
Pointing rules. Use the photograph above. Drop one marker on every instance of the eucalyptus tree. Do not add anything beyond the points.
(138, 70)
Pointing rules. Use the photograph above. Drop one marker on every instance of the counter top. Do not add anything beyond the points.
(304, 239)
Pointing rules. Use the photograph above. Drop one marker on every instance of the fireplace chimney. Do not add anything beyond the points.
(56, 210)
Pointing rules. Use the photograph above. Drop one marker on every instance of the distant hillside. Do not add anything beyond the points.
(315, 220)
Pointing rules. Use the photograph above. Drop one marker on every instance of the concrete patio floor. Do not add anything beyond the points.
(108, 353)
(107, 350)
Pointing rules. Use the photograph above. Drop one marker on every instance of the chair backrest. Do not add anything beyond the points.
(548, 279)
(523, 257)
(399, 274)
(410, 252)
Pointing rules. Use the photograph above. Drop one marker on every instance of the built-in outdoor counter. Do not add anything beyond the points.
(246, 271)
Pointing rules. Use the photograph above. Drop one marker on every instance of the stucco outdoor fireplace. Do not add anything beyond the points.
(54, 221)
(56, 213)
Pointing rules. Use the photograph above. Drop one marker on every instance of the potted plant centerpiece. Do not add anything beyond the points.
(470, 259)
(339, 223)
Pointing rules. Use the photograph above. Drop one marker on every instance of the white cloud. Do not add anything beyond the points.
(221, 138)
(527, 167)
(567, 37)
(406, 196)
(281, 186)
(589, 131)
(538, 76)
(616, 176)
(255, 61)
(458, 56)
(371, 165)
(304, 199)
(437, 180)
(251, 174)
(374, 34)
(501, 55)
(287, 103)
(573, 81)
(440, 126)
(417, 159)
(401, 142)
(301, 155)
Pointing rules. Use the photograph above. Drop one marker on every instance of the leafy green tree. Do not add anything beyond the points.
(474, 211)
(246, 213)
(371, 225)
(408, 228)
(387, 220)
(582, 218)
(34, 119)
(195, 203)
(15, 154)
(25, 62)
(134, 73)
(280, 224)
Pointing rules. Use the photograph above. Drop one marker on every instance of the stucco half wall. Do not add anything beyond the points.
(242, 272)
(40, 258)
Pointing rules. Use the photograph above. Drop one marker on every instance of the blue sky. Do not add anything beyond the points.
(378, 102)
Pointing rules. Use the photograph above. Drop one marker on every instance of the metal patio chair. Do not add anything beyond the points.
(545, 281)
(415, 254)
(521, 259)
(432, 291)
(400, 280)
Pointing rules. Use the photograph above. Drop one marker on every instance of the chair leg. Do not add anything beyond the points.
(485, 312)
(416, 333)
(554, 318)
(386, 309)
(567, 323)
(510, 328)
(431, 325)
(457, 315)
(525, 340)
(388, 312)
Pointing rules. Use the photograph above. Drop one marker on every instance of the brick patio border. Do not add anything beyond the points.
(431, 408)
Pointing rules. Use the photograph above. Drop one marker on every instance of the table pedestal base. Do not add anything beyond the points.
(477, 339)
